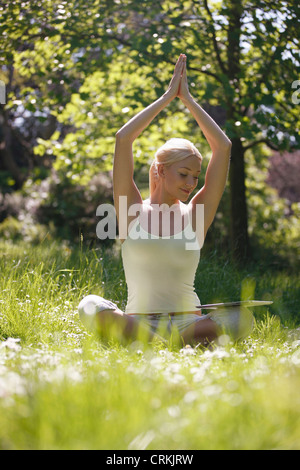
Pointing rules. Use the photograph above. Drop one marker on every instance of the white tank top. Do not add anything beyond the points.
(160, 270)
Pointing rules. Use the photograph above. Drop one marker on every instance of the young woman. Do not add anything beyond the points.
(162, 236)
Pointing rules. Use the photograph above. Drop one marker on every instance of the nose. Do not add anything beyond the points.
(190, 182)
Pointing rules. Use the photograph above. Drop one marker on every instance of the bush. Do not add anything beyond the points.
(56, 206)
(72, 207)
(15, 230)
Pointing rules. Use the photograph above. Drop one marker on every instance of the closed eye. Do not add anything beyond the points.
(184, 176)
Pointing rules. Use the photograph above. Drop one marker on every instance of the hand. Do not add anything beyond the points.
(183, 90)
(175, 81)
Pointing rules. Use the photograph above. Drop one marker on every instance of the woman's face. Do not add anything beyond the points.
(181, 178)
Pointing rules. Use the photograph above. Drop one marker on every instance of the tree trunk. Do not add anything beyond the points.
(7, 161)
(238, 214)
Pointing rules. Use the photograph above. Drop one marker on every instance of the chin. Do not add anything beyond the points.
(184, 195)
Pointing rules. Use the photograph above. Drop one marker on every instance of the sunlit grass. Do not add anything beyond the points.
(61, 388)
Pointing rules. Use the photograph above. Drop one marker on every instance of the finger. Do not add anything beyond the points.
(178, 68)
(182, 69)
(178, 63)
(180, 59)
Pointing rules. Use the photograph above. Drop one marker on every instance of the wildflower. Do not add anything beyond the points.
(11, 343)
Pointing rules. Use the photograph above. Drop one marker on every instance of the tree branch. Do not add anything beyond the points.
(261, 141)
(269, 65)
(215, 42)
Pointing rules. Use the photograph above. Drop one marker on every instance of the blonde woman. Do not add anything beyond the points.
(162, 236)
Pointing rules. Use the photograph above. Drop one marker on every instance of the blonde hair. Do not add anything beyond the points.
(174, 150)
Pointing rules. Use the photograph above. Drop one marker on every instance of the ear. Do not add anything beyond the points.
(161, 170)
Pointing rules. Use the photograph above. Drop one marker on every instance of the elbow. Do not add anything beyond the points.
(119, 134)
(223, 145)
(122, 135)
(227, 147)
(228, 143)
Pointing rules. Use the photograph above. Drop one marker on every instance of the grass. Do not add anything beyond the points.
(61, 388)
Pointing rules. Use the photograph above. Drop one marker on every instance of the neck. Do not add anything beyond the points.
(160, 196)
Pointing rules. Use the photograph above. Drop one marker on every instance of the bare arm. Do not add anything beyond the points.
(123, 182)
(217, 170)
(123, 168)
(133, 128)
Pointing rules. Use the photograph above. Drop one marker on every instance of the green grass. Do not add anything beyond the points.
(61, 388)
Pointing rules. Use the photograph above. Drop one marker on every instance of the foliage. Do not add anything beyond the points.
(56, 45)
(273, 221)
(56, 207)
(103, 102)
(86, 67)
(284, 175)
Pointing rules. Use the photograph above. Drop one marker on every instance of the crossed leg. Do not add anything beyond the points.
(204, 332)
(112, 323)
(103, 316)
(237, 322)
(118, 325)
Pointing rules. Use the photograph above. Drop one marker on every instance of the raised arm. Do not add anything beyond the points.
(123, 182)
(217, 170)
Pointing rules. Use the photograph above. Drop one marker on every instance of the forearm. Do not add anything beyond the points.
(133, 128)
(215, 137)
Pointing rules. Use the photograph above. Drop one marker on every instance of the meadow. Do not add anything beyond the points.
(61, 387)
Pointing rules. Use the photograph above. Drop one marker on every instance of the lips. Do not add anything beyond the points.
(185, 191)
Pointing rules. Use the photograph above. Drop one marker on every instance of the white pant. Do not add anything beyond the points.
(237, 322)
(90, 306)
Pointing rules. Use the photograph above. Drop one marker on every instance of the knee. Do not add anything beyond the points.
(246, 323)
(236, 322)
(90, 306)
